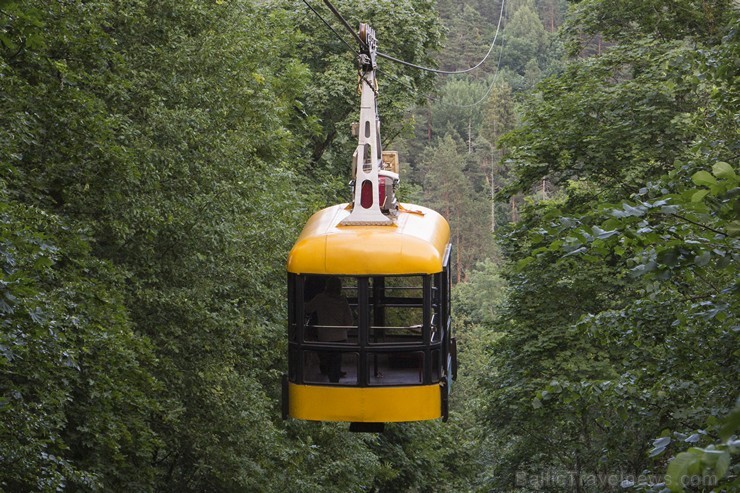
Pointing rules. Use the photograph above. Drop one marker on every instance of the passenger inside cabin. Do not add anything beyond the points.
(334, 316)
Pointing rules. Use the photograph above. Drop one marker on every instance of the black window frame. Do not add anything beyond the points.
(371, 298)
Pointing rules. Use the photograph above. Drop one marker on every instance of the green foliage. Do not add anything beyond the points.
(158, 159)
(710, 466)
(481, 298)
(468, 38)
(477, 302)
(448, 190)
(624, 21)
(582, 125)
(76, 403)
(427, 456)
(526, 38)
(156, 162)
(620, 329)
(457, 108)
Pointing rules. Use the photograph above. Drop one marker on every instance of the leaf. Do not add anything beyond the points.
(575, 252)
(524, 263)
(693, 438)
(610, 224)
(722, 464)
(733, 229)
(634, 211)
(5, 307)
(679, 468)
(37, 315)
(669, 257)
(555, 246)
(643, 269)
(601, 234)
(703, 259)
(7, 42)
(723, 170)
(718, 460)
(730, 425)
(703, 178)
(699, 195)
(661, 442)
(656, 451)
(659, 446)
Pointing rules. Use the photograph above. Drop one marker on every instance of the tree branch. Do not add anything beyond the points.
(698, 224)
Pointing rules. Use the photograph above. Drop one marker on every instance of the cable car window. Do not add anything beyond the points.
(396, 368)
(328, 316)
(397, 314)
(330, 367)
(402, 325)
(367, 330)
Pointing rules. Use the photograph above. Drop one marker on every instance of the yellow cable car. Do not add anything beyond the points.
(369, 330)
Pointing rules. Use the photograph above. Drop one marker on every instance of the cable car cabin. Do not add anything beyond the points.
(369, 295)
(395, 353)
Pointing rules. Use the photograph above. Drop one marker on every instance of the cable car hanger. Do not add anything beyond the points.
(374, 181)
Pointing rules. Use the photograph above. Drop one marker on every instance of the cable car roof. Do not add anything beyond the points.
(415, 244)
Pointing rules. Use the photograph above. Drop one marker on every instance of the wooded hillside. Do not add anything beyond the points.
(158, 159)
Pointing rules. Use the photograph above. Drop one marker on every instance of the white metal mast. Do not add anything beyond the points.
(374, 198)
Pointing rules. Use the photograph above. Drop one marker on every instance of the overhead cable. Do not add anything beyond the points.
(490, 88)
(344, 21)
(330, 27)
(413, 65)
